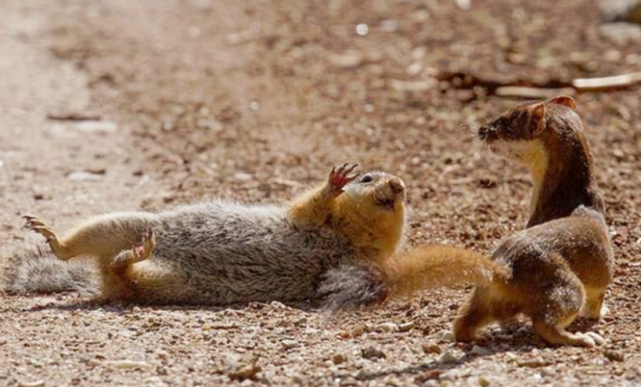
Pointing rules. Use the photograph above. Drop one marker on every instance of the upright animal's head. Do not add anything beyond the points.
(548, 138)
(528, 132)
(371, 210)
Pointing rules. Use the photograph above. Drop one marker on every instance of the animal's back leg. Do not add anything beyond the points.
(557, 308)
(473, 315)
(102, 236)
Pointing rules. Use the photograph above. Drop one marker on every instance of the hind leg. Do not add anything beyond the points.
(594, 307)
(557, 309)
(37, 225)
(116, 271)
(143, 250)
(102, 236)
(474, 314)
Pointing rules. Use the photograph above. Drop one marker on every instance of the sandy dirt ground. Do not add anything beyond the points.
(121, 105)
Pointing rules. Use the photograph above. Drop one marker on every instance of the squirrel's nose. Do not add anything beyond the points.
(396, 184)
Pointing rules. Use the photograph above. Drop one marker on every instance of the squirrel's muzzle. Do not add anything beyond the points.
(391, 192)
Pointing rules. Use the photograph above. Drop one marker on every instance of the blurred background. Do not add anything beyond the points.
(257, 99)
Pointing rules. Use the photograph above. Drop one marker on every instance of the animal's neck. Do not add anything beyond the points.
(374, 239)
(563, 182)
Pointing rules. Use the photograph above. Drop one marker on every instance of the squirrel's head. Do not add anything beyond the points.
(527, 131)
(376, 193)
(372, 210)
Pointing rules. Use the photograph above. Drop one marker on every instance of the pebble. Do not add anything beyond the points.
(406, 327)
(479, 351)
(96, 126)
(621, 33)
(387, 327)
(447, 357)
(245, 372)
(446, 335)
(84, 176)
(614, 355)
(430, 347)
(36, 383)
(241, 176)
(372, 353)
(339, 358)
(415, 86)
(288, 344)
(483, 382)
(129, 364)
(532, 363)
(348, 59)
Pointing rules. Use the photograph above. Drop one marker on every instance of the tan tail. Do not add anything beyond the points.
(426, 267)
(434, 266)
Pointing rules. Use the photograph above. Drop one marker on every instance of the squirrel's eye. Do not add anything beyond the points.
(366, 179)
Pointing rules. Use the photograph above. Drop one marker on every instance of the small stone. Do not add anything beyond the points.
(479, 351)
(372, 353)
(288, 344)
(84, 176)
(347, 59)
(244, 372)
(406, 327)
(412, 86)
(92, 126)
(447, 336)
(36, 383)
(241, 176)
(362, 29)
(483, 382)
(386, 327)
(621, 33)
(533, 363)
(339, 358)
(614, 355)
(430, 347)
(129, 364)
(447, 357)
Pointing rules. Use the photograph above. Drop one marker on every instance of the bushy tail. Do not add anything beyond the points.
(426, 267)
(39, 271)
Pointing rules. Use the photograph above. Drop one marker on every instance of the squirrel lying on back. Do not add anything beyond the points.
(555, 269)
(223, 252)
(220, 253)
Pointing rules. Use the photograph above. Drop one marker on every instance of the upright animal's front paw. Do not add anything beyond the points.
(340, 177)
(34, 223)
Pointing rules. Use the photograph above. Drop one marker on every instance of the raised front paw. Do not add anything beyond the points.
(341, 176)
(36, 224)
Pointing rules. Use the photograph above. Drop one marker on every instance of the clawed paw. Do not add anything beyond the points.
(590, 339)
(341, 176)
(146, 246)
(37, 225)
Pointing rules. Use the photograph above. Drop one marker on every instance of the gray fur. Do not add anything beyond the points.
(40, 271)
(212, 253)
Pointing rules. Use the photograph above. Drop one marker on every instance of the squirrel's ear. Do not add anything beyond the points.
(564, 100)
(537, 118)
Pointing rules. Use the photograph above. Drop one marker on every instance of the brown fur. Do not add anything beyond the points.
(562, 263)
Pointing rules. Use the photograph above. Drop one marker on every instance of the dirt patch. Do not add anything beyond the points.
(255, 100)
